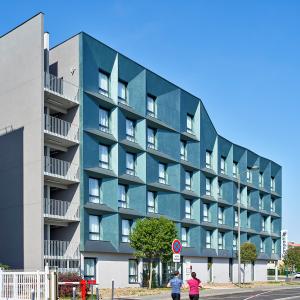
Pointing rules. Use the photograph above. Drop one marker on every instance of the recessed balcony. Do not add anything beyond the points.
(60, 171)
(59, 92)
(61, 249)
(60, 211)
(60, 132)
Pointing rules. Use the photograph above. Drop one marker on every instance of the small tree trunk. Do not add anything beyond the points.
(244, 272)
(150, 274)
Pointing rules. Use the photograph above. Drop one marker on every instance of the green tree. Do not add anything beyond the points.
(152, 239)
(292, 259)
(248, 255)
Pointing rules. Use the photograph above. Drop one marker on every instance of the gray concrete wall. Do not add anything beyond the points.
(260, 271)
(11, 199)
(21, 102)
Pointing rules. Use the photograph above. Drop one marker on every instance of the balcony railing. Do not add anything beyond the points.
(61, 169)
(61, 249)
(61, 87)
(61, 128)
(61, 209)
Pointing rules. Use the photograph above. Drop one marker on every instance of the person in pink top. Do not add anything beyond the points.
(194, 284)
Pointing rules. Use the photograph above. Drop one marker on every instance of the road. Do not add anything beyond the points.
(275, 294)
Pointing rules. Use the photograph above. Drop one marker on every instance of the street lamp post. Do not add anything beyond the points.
(239, 222)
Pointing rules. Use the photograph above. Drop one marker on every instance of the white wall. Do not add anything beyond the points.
(199, 265)
(221, 270)
(260, 271)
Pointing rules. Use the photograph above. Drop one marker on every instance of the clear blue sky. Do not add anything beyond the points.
(242, 58)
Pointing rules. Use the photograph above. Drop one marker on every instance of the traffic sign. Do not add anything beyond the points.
(176, 257)
(176, 246)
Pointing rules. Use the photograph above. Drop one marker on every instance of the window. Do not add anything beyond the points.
(248, 220)
(151, 107)
(273, 246)
(248, 199)
(263, 224)
(208, 239)
(94, 228)
(236, 218)
(221, 240)
(188, 209)
(130, 164)
(130, 130)
(94, 190)
(220, 189)
(103, 83)
(260, 202)
(235, 169)
(126, 228)
(221, 215)
(205, 212)
(89, 268)
(151, 133)
(272, 207)
(188, 180)
(103, 157)
(249, 175)
(261, 179)
(122, 91)
(183, 151)
(272, 226)
(262, 245)
(151, 202)
(272, 184)
(122, 196)
(208, 159)
(234, 242)
(103, 120)
(184, 236)
(223, 165)
(133, 271)
(162, 173)
(189, 123)
(208, 186)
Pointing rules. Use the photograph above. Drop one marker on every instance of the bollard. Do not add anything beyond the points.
(32, 294)
(74, 293)
(112, 290)
(97, 294)
(92, 290)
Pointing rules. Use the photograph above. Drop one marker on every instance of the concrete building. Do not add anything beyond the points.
(98, 141)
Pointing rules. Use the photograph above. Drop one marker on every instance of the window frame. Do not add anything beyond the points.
(94, 196)
(188, 180)
(208, 156)
(125, 85)
(183, 150)
(151, 144)
(162, 180)
(208, 238)
(94, 267)
(235, 171)
(151, 113)
(103, 163)
(125, 237)
(208, 183)
(122, 203)
(221, 237)
(223, 165)
(152, 208)
(189, 124)
(129, 170)
(130, 136)
(185, 242)
(134, 276)
(205, 212)
(101, 90)
(105, 127)
(95, 233)
(221, 216)
(188, 209)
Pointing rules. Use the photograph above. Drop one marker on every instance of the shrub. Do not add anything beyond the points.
(4, 267)
(66, 290)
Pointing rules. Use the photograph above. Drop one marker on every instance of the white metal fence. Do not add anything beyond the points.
(61, 128)
(20, 285)
(61, 87)
(61, 209)
(61, 168)
(61, 249)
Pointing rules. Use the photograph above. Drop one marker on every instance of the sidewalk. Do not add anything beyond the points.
(206, 293)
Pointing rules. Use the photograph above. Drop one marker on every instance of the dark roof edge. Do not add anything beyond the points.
(14, 28)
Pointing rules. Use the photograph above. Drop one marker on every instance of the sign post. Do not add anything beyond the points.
(176, 248)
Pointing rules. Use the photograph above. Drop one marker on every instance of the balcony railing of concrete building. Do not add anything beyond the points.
(61, 249)
(61, 169)
(61, 128)
(60, 87)
(59, 209)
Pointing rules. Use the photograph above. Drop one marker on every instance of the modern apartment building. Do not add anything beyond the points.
(95, 141)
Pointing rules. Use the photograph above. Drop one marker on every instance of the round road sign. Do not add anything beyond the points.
(176, 246)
